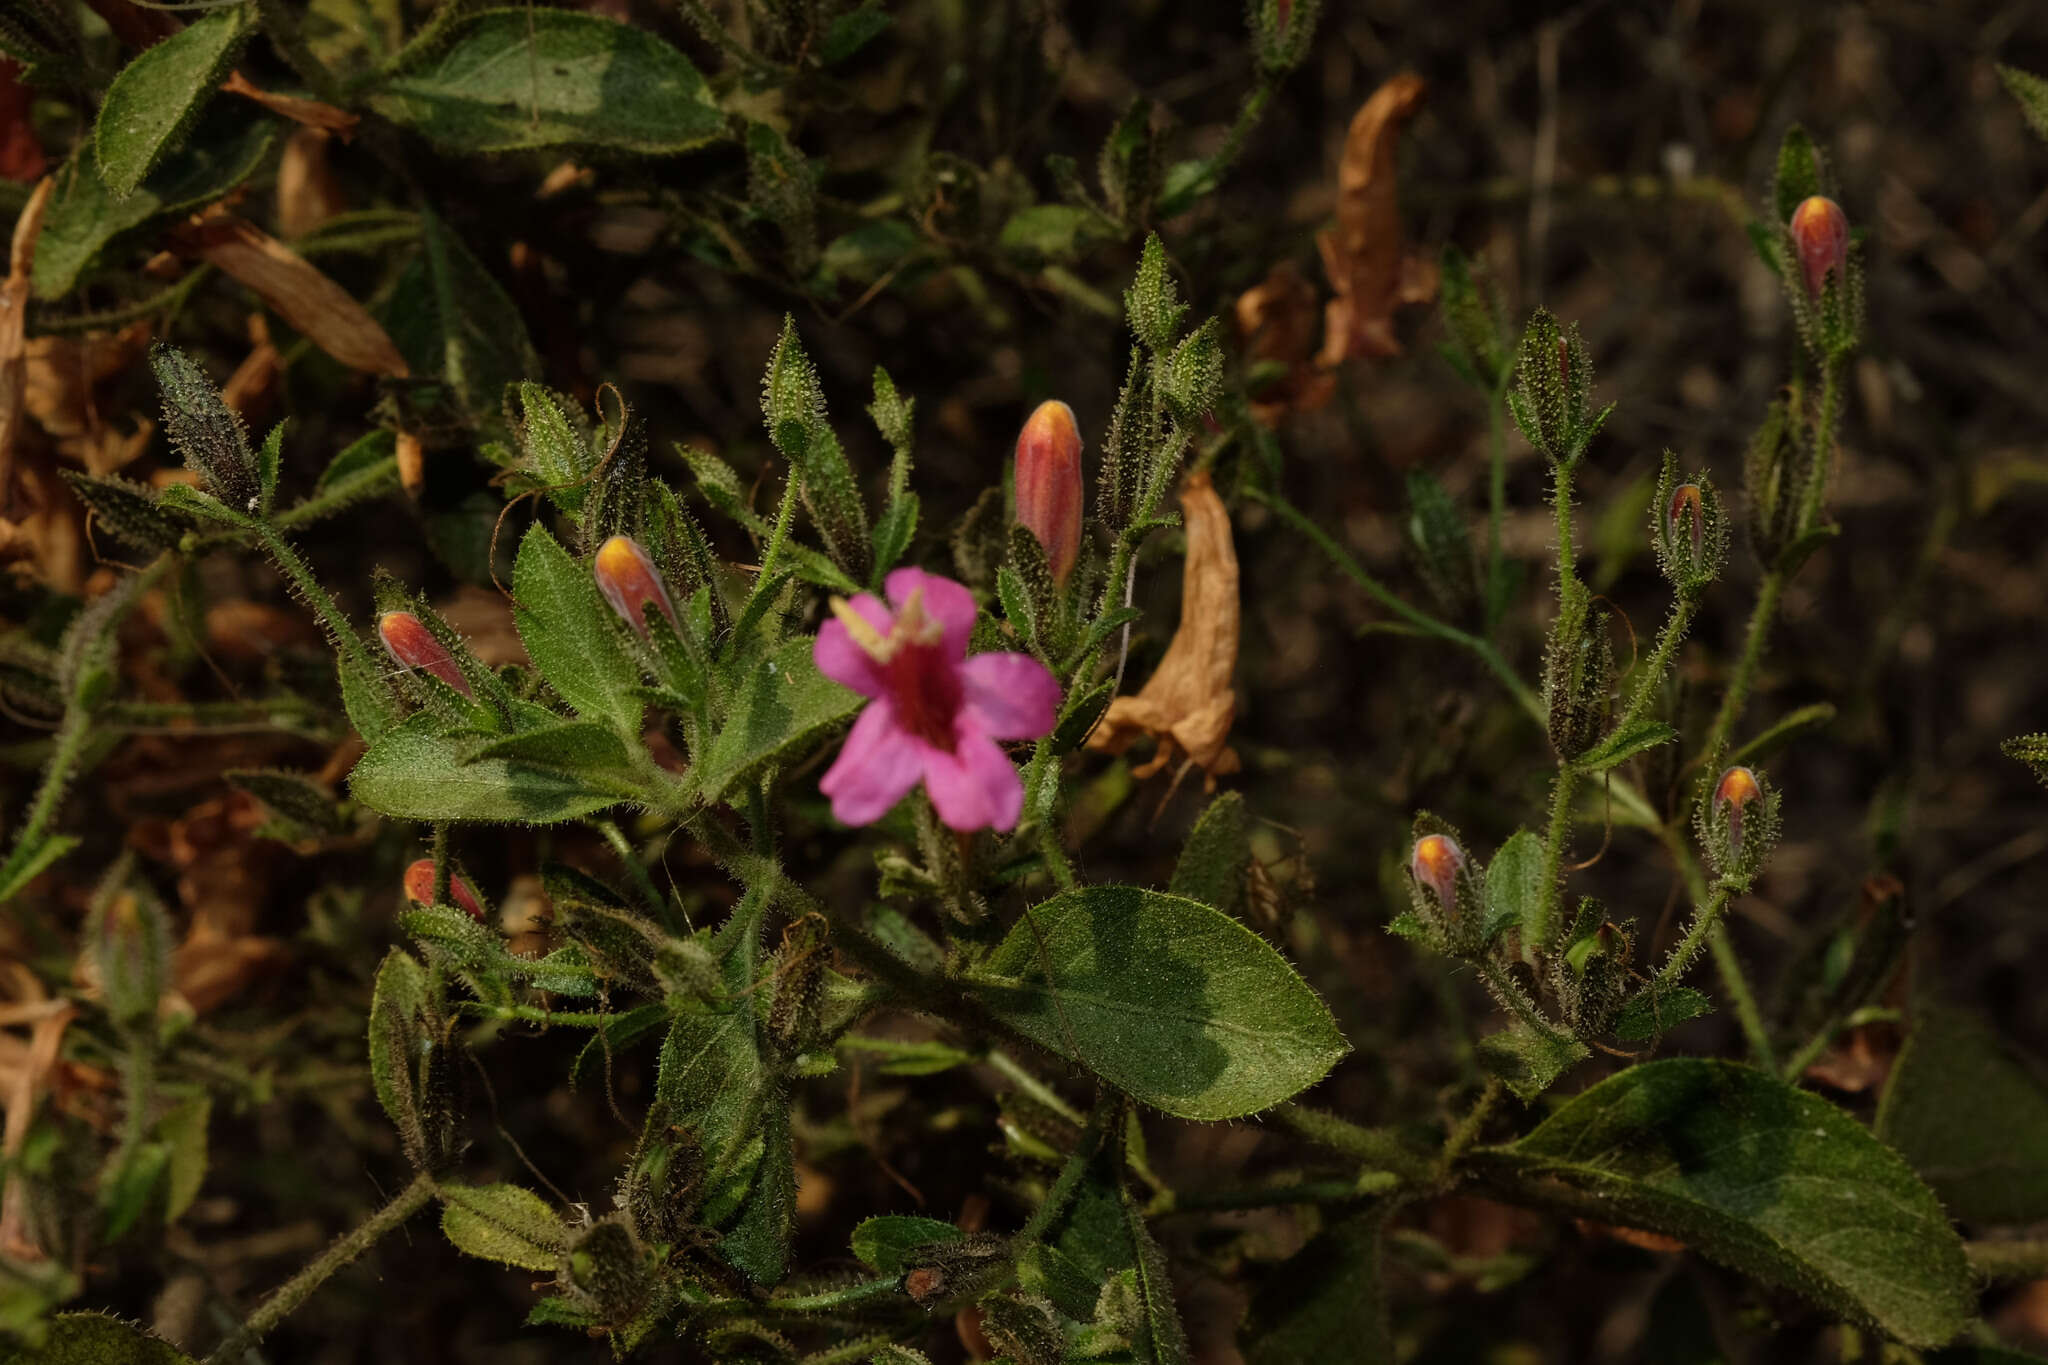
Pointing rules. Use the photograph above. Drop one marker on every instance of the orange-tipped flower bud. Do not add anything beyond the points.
(1821, 232)
(419, 888)
(1736, 789)
(414, 646)
(627, 578)
(1435, 865)
(1049, 484)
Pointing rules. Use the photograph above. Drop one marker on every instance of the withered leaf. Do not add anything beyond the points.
(311, 113)
(1188, 704)
(1276, 318)
(311, 302)
(1363, 255)
(14, 296)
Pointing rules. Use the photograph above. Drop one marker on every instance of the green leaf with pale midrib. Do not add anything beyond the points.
(514, 79)
(1170, 1000)
(1971, 1117)
(1771, 1180)
(571, 633)
(784, 705)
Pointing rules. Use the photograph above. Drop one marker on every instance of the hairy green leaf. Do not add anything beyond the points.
(154, 100)
(783, 706)
(1325, 1302)
(1529, 1062)
(1174, 1002)
(1212, 862)
(1514, 885)
(416, 772)
(1623, 745)
(503, 1223)
(1768, 1179)
(1971, 1117)
(885, 1243)
(95, 1339)
(572, 634)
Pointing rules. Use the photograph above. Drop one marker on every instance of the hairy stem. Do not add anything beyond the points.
(1381, 1148)
(1563, 788)
(301, 1286)
(1747, 1016)
(1705, 917)
(1744, 676)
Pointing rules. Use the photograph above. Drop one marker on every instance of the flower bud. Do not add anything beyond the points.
(627, 578)
(408, 641)
(1738, 823)
(1049, 484)
(1820, 231)
(1690, 531)
(1578, 672)
(1552, 399)
(419, 889)
(1435, 865)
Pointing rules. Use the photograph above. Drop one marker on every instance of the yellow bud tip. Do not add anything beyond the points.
(618, 556)
(1737, 787)
(1820, 230)
(1437, 855)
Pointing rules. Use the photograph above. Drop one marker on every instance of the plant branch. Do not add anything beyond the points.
(300, 1287)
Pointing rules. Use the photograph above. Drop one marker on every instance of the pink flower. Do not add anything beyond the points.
(936, 714)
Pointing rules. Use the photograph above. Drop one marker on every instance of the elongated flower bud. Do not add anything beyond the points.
(1688, 527)
(628, 580)
(1049, 484)
(408, 640)
(419, 888)
(1821, 232)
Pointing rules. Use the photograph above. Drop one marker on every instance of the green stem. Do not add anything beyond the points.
(1659, 663)
(1563, 789)
(301, 1286)
(1496, 502)
(1561, 499)
(1013, 1071)
(444, 872)
(1744, 676)
(1998, 1262)
(635, 869)
(1747, 1016)
(1703, 921)
(1069, 1179)
(1822, 465)
(1467, 1130)
(1381, 1148)
(346, 641)
(164, 300)
(1423, 622)
(1274, 1196)
(836, 1298)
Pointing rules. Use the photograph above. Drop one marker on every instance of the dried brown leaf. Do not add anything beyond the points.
(1362, 255)
(308, 191)
(1277, 320)
(311, 113)
(1188, 703)
(14, 296)
(21, 156)
(312, 303)
(27, 1083)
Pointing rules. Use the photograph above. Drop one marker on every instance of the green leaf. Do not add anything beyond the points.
(503, 1223)
(129, 1189)
(709, 1080)
(1164, 1340)
(572, 635)
(582, 747)
(1212, 862)
(1799, 172)
(293, 797)
(155, 99)
(450, 317)
(1784, 732)
(1175, 1003)
(1514, 885)
(1055, 232)
(1770, 1180)
(415, 772)
(848, 33)
(397, 1002)
(183, 1133)
(129, 510)
(782, 708)
(1623, 745)
(1650, 1014)
(2032, 93)
(512, 79)
(1326, 1302)
(1528, 1061)
(1971, 1117)
(84, 218)
(95, 1339)
(885, 1243)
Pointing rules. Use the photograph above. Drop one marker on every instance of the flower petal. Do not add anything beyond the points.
(843, 661)
(975, 786)
(1013, 695)
(879, 762)
(947, 602)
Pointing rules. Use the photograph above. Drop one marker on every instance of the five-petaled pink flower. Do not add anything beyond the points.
(935, 714)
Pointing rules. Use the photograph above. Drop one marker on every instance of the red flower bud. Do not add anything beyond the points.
(1435, 864)
(409, 641)
(627, 578)
(1821, 232)
(1049, 484)
(419, 889)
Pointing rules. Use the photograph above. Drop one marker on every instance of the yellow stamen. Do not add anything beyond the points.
(911, 627)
